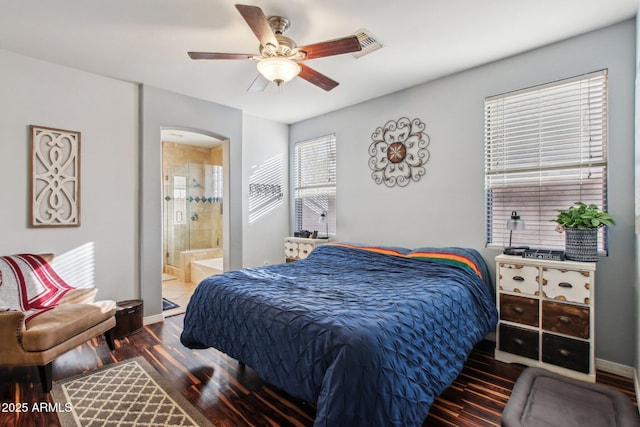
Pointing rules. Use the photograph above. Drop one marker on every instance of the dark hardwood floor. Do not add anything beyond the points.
(234, 396)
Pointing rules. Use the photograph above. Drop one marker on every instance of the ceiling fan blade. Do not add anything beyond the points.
(332, 47)
(211, 55)
(316, 78)
(258, 23)
(259, 84)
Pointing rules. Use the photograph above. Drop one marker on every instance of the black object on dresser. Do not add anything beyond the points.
(544, 254)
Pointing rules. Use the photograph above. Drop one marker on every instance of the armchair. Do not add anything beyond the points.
(75, 319)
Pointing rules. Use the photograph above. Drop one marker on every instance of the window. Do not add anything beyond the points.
(545, 149)
(315, 184)
(179, 199)
(213, 175)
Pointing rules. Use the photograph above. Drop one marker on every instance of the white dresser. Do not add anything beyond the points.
(296, 248)
(546, 314)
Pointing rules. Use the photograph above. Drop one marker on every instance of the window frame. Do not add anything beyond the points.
(549, 140)
(321, 195)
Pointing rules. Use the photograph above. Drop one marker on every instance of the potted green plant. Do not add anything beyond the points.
(580, 223)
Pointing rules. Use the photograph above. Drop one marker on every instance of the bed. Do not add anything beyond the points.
(371, 335)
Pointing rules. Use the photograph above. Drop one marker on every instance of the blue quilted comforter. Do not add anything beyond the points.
(371, 338)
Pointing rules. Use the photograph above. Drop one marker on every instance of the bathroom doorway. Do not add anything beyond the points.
(193, 207)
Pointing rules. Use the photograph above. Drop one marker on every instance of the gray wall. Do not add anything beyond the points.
(102, 251)
(118, 248)
(637, 205)
(447, 206)
(163, 109)
(265, 152)
(251, 141)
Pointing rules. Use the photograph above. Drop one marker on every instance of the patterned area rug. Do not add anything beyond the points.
(128, 393)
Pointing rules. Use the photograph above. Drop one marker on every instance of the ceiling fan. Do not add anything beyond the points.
(280, 59)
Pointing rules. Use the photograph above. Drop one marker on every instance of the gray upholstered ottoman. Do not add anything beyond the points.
(541, 398)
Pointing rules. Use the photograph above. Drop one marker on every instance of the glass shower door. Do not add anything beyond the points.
(176, 215)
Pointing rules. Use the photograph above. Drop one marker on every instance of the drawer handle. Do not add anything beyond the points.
(565, 285)
(564, 319)
(518, 310)
(565, 353)
(518, 341)
(305, 251)
(518, 278)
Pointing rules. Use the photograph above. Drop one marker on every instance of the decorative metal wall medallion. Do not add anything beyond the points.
(55, 177)
(399, 152)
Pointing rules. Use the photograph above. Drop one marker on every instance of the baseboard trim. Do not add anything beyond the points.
(156, 318)
(616, 368)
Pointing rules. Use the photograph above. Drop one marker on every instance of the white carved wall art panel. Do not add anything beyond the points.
(55, 177)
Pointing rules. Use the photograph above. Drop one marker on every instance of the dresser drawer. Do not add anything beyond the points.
(567, 285)
(291, 249)
(304, 249)
(566, 319)
(519, 309)
(519, 341)
(518, 278)
(566, 352)
(297, 248)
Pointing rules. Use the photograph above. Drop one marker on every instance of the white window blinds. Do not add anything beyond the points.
(315, 184)
(545, 149)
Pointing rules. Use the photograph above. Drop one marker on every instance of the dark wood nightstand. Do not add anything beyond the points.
(128, 318)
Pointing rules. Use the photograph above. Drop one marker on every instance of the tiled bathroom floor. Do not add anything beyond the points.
(178, 292)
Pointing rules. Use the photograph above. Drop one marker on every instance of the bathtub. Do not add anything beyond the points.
(183, 272)
(203, 268)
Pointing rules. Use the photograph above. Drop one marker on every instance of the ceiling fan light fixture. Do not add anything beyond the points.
(279, 70)
(280, 59)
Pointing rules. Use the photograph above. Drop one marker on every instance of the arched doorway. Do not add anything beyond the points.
(193, 182)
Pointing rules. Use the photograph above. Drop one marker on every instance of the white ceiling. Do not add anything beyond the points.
(179, 136)
(146, 41)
